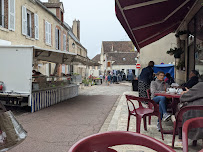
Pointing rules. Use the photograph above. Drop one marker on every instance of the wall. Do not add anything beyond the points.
(157, 51)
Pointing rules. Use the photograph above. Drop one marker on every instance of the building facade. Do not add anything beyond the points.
(192, 58)
(118, 55)
(31, 22)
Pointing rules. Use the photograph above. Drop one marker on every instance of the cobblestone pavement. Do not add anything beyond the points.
(117, 120)
(112, 89)
(57, 128)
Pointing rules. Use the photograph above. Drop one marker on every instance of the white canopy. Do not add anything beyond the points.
(56, 56)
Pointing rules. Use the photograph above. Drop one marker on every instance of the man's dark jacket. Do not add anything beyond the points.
(146, 75)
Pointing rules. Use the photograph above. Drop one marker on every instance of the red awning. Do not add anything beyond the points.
(146, 21)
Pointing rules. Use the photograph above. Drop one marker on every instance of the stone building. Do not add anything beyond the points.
(95, 70)
(75, 46)
(118, 55)
(31, 22)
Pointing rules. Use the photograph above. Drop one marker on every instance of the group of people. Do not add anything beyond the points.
(192, 94)
(113, 78)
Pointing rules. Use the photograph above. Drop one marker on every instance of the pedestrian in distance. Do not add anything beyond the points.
(109, 79)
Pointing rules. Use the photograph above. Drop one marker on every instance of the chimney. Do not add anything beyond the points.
(53, 1)
(76, 28)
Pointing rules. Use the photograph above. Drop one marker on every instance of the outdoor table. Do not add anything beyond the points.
(175, 100)
(168, 95)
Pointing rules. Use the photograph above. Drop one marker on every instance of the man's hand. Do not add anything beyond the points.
(185, 91)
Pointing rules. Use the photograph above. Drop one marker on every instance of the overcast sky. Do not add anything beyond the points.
(97, 20)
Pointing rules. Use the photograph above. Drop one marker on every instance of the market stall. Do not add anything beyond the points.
(23, 88)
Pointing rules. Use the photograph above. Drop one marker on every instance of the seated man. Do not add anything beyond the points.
(194, 79)
(156, 86)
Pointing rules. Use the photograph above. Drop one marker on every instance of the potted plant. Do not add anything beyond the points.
(176, 52)
(180, 65)
(182, 34)
(86, 82)
(170, 52)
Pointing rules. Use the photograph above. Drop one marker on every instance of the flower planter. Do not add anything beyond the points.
(183, 37)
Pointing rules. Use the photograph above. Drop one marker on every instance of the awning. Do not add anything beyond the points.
(55, 56)
(146, 21)
(62, 57)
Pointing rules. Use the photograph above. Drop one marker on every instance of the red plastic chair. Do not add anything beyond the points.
(102, 141)
(142, 112)
(178, 120)
(189, 124)
(150, 106)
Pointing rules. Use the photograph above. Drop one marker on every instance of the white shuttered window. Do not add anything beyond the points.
(64, 42)
(47, 33)
(56, 38)
(59, 40)
(11, 15)
(36, 27)
(24, 20)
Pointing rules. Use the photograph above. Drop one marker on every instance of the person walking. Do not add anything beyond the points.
(109, 79)
(145, 79)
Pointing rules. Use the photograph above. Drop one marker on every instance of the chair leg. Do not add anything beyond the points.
(128, 123)
(194, 143)
(145, 123)
(174, 134)
(149, 120)
(162, 136)
(138, 123)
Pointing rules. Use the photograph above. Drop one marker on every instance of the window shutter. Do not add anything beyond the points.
(11, 16)
(59, 40)
(49, 33)
(46, 32)
(36, 27)
(24, 20)
(64, 42)
(56, 38)
(2, 8)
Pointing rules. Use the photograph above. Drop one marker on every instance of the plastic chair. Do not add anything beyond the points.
(177, 122)
(142, 112)
(102, 141)
(150, 106)
(189, 124)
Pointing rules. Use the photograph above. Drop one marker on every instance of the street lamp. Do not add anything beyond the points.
(73, 45)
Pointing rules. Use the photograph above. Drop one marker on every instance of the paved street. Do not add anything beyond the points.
(58, 127)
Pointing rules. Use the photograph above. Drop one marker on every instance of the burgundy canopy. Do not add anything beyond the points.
(146, 21)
